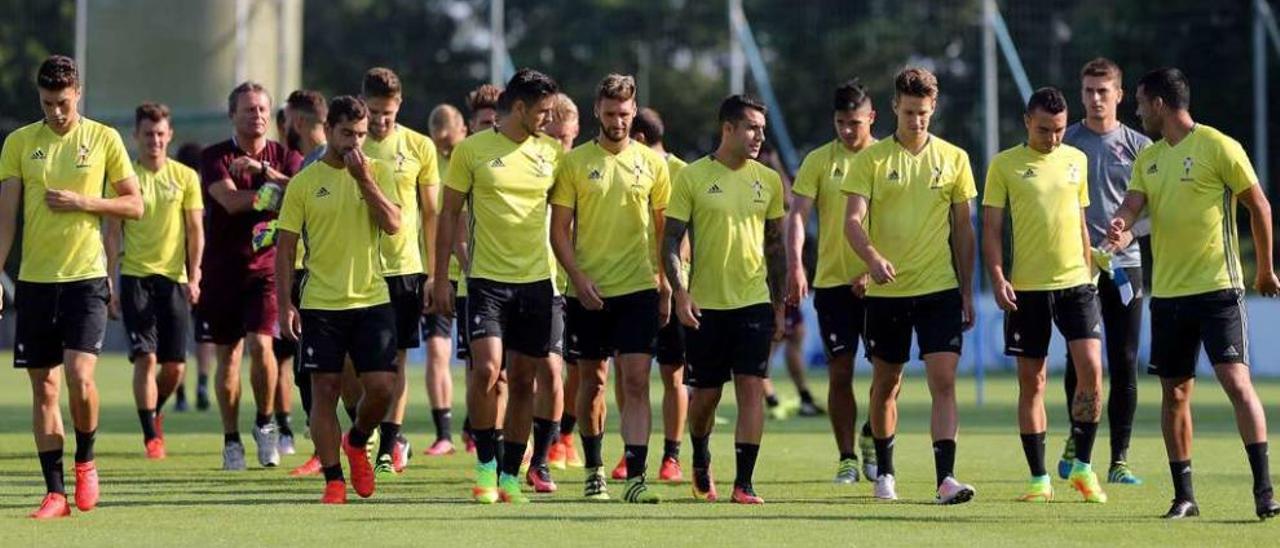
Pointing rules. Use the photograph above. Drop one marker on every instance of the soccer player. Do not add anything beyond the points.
(483, 104)
(56, 168)
(447, 130)
(413, 157)
(238, 283)
(1111, 148)
(610, 193)
(840, 280)
(505, 175)
(341, 207)
(1189, 183)
(160, 271)
(648, 129)
(908, 219)
(1044, 187)
(732, 307)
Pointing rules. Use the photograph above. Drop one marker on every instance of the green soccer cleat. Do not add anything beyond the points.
(847, 473)
(1084, 480)
(595, 487)
(1068, 456)
(486, 488)
(1120, 473)
(867, 446)
(509, 490)
(1039, 489)
(637, 492)
(384, 469)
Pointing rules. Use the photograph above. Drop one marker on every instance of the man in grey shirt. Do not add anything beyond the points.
(1111, 148)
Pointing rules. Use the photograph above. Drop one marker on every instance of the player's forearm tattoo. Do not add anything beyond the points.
(1085, 407)
(672, 234)
(775, 257)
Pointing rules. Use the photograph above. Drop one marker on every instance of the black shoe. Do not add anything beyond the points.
(180, 401)
(1266, 507)
(202, 400)
(810, 409)
(1182, 509)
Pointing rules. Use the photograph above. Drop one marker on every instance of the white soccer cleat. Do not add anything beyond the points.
(286, 446)
(886, 487)
(267, 438)
(233, 456)
(954, 492)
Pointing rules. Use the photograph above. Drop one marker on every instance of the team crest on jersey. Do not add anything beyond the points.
(541, 166)
(715, 189)
(322, 192)
(1187, 164)
(837, 173)
(400, 160)
(1073, 174)
(595, 175)
(38, 154)
(936, 180)
(82, 155)
(1029, 173)
(759, 190)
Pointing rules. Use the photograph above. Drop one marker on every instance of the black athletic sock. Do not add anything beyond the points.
(637, 457)
(1120, 436)
(512, 455)
(357, 437)
(944, 459)
(544, 434)
(568, 422)
(851, 455)
(84, 445)
(866, 430)
(443, 419)
(806, 396)
(1260, 467)
(1181, 472)
(202, 382)
(332, 473)
(746, 454)
(771, 400)
(701, 451)
(51, 468)
(671, 449)
(260, 420)
(1033, 449)
(285, 423)
(486, 444)
(230, 437)
(387, 439)
(591, 450)
(147, 418)
(466, 425)
(351, 412)
(180, 392)
(1083, 434)
(499, 450)
(884, 456)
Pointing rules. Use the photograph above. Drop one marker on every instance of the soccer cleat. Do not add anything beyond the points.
(180, 401)
(202, 399)
(54, 505)
(155, 449)
(400, 454)
(286, 446)
(384, 467)
(335, 492)
(745, 495)
(86, 486)
(440, 448)
(954, 492)
(1120, 473)
(539, 477)
(571, 457)
(469, 442)
(1182, 509)
(267, 438)
(159, 425)
(811, 409)
(886, 487)
(847, 472)
(620, 471)
(485, 490)
(670, 470)
(309, 468)
(704, 486)
(637, 492)
(595, 487)
(1068, 456)
(867, 446)
(1266, 506)
(1039, 489)
(361, 470)
(777, 412)
(509, 490)
(233, 456)
(1084, 480)
(371, 446)
(555, 455)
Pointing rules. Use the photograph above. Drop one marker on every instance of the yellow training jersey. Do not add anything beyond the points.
(63, 246)
(726, 212)
(412, 157)
(507, 185)
(613, 198)
(1191, 191)
(909, 200)
(1045, 195)
(157, 243)
(324, 206)
(821, 176)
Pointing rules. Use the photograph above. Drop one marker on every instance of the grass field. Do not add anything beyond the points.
(187, 500)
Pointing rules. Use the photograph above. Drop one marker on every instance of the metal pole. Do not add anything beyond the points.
(282, 51)
(82, 45)
(1260, 94)
(241, 68)
(497, 41)
(990, 144)
(737, 60)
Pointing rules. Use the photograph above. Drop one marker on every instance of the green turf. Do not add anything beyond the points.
(187, 500)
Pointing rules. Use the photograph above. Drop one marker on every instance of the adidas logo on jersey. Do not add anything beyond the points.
(1152, 170)
(893, 175)
(497, 162)
(837, 172)
(715, 189)
(322, 192)
(595, 175)
(1029, 173)
(38, 154)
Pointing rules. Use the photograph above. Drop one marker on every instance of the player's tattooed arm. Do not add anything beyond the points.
(775, 257)
(672, 235)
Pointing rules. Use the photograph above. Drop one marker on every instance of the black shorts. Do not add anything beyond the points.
(936, 318)
(55, 317)
(729, 342)
(436, 325)
(367, 335)
(406, 302)
(282, 347)
(1075, 310)
(628, 324)
(671, 343)
(841, 314)
(155, 311)
(1179, 325)
(521, 314)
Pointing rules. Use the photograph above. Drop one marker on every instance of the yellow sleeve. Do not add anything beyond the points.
(11, 156)
(1138, 181)
(807, 179)
(994, 192)
(777, 198)
(429, 174)
(294, 209)
(460, 177)
(191, 197)
(681, 206)
(118, 167)
(660, 194)
(564, 192)
(965, 188)
(1234, 167)
(861, 176)
(1084, 182)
